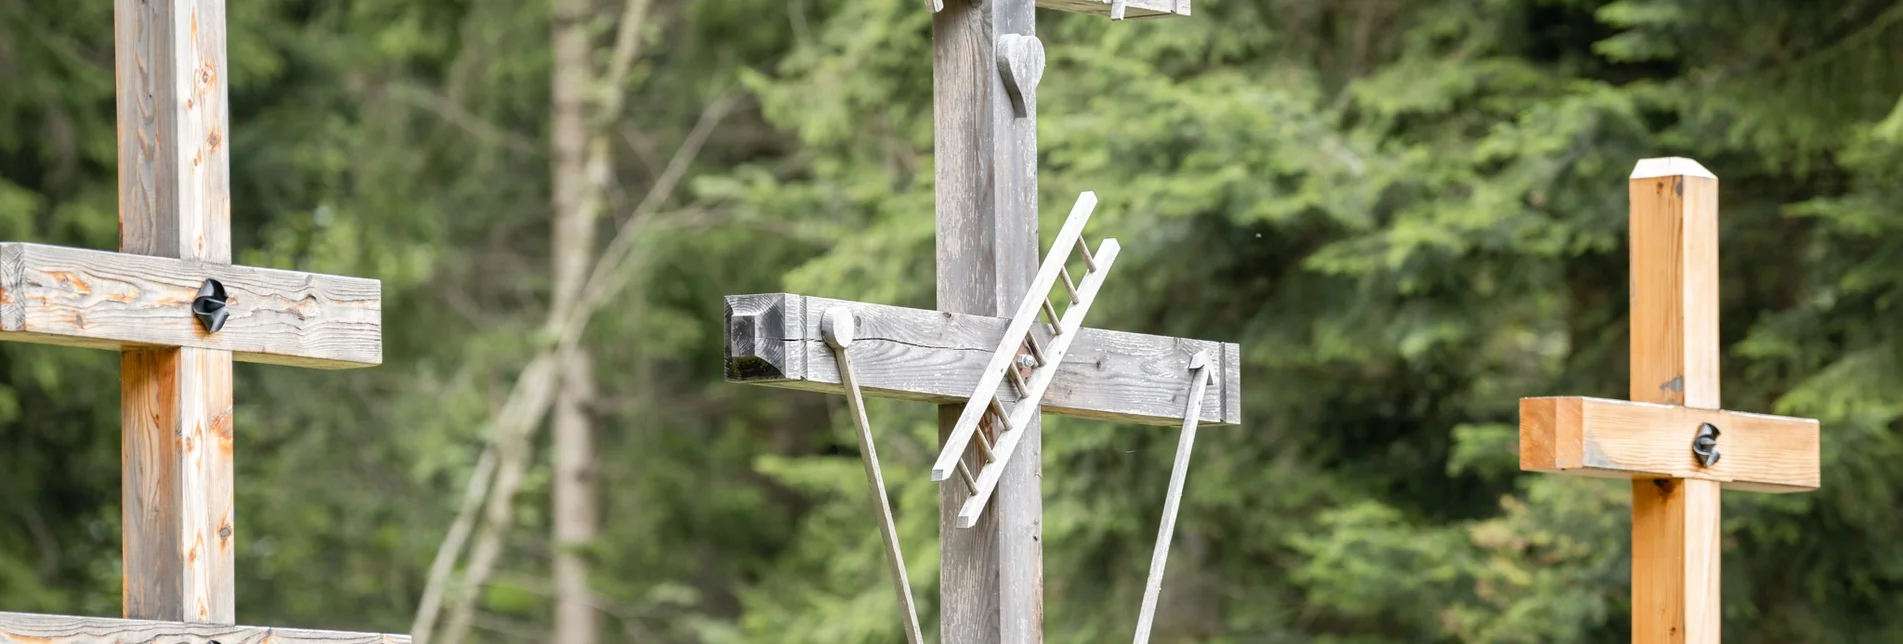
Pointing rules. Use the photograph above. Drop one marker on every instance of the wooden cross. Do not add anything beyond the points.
(1672, 439)
(175, 256)
(986, 65)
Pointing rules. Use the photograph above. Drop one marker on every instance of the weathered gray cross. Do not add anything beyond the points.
(986, 64)
(180, 313)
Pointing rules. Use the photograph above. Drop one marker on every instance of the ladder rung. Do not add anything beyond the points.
(1068, 284)
(997, 407)
(1050, 312)
(984, 444)
(970, 483)
(1018, 383)
(1037, 352)
(1090, 263)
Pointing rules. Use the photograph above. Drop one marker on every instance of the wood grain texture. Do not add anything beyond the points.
(1675, 541)
(773, 339)
(177, 486)
(173, 114)
(20, 628)
(991, 578)
(1673, 232)
(1673, 237)
(1133, 9)
(1616, 438)
(174, 203)
(89, 298)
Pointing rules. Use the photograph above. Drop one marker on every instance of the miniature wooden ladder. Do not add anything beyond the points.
(837, 328)
(1040, 361)
(1203, 375)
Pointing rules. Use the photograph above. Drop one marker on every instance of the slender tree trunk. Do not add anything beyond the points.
(576, 516)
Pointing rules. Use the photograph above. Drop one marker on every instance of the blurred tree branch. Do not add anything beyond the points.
(533, 393)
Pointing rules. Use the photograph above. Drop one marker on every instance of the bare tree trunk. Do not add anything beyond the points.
(576, 516)
(536, 392)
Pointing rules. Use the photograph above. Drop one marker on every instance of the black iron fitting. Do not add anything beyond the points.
(1705, 446)
(209, 307)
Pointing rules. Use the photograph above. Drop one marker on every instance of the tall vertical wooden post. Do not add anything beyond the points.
(991, 575)
(1673, 229)
(175, 201)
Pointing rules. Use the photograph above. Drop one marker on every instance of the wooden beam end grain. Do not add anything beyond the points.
(1549, 434)
(12, 301)
(756, 347)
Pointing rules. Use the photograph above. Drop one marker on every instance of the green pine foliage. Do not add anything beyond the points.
(1410, 213)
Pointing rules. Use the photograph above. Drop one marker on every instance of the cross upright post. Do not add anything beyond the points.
(986, 66)
(172, 302)
(1675, 443)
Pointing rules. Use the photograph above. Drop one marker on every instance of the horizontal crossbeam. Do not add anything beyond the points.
(773, 339)
(22, 628)
(1132, 9)
(1624, 439)
(105, 300)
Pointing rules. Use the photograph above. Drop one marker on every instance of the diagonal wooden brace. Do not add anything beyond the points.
(1202, 375)
(838, 329)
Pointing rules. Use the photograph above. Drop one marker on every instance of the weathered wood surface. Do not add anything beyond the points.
(1132, 10)
(930, 356)
(89, 298)
(1022, 317)
(991, 578)
(177, 485)
(175, 203)
(1616, 438)
(21, 628)
(174, 117)
(1673, 236)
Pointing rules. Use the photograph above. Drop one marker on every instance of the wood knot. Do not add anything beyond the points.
(224, 532)
(214, 139)
(221, 424)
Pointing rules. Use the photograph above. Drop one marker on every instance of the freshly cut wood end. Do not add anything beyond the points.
(1670, 167)
(1132, 10)
(1549, 437)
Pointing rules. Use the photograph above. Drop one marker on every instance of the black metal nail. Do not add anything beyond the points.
(1705, 446)
(209, 308)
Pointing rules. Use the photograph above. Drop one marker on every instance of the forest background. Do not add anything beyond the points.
(1410, 213)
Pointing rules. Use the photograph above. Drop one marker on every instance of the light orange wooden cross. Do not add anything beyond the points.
(1655, 438)
(179, 528)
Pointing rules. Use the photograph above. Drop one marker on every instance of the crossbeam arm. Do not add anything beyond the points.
(1624, 439)
(97, 299)
(773, 339)
(23, 628)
